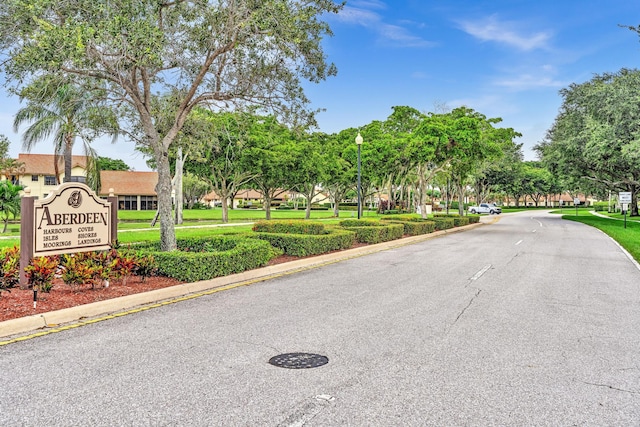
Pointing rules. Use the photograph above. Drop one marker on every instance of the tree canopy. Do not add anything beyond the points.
(109, 164)
(212, 52)
(594, 143)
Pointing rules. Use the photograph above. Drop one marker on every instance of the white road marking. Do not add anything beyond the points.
(481, 272)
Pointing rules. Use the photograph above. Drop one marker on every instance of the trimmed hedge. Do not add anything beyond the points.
(459, 221)
(473, 219)
(206, 258)
(290, 227)
(443, 223)
(445, 215)
(404, 217)
(373, 231)
(601, 206)
(309, 244)
(359, 223)
(416, 228)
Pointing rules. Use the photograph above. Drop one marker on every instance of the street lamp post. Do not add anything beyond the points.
(359, 143)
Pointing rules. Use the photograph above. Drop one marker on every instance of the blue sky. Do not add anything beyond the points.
(502, 58)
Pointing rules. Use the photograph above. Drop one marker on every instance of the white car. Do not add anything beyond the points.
(489, 208)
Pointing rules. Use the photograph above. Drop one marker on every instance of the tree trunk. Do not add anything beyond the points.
(163, 190)
(267, 206)
(178, 187)
(225, 211)
(224, 198)
(309, 197)
(422, 192)
(460, 199)
(307, 212)
(6, 222)
(68, 159)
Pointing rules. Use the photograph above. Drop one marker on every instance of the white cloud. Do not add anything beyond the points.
(529, 81)
(363, 13)
(397, 34)
(506, 32)
(359, 16)
(368, 4)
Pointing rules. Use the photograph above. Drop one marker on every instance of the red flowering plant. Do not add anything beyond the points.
(41, 272)
(9, 268)
(75, 271)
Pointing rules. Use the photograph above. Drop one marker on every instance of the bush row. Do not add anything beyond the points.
(309, 244)
(211, 257)
(290, 227)
(220, 255)
(416, 228)
(373, 231)
(443, 223)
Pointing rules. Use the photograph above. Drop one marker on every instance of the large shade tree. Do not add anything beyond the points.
(311, 166)
(339, 168)
(271, 160)
(223, 141)
(594, 143)
(474, 139)
(216, 52)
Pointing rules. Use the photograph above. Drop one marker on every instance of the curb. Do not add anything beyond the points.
(90, 313)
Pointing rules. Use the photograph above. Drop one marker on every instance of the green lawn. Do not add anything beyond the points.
(236, 215)
(139, 230)
(138, 223)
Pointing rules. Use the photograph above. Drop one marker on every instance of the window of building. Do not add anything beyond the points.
(148, 203)
(49, 180)
(34, 178)
(128, 203)
(82, 179)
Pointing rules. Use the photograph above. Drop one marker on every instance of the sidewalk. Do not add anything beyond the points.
(57, 321)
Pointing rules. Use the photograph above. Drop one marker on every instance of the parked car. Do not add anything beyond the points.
(489, 208)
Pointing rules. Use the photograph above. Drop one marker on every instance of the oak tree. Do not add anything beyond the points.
(223, 53)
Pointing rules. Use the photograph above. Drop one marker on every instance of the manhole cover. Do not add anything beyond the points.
(299, 360)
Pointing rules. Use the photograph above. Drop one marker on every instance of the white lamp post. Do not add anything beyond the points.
(359, 143)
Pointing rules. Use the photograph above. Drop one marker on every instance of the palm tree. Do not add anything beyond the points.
(64, 111)
(9, 201)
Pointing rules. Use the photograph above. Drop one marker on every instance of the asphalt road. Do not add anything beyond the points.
(530, 321)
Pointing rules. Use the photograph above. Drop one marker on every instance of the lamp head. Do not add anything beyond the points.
(359, 139)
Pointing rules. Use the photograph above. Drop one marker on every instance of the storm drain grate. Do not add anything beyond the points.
(299, 360)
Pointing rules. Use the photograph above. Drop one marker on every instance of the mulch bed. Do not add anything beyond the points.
(19, 302)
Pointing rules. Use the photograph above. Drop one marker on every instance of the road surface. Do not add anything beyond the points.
(530, 321)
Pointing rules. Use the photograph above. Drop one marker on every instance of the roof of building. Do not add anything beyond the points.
(128, 183)
(42, 164)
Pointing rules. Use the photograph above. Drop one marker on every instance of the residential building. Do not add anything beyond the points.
(135, 190)
(39, 173)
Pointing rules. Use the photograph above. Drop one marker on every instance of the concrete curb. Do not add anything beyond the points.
(53, 319)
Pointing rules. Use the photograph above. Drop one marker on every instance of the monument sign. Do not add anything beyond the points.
(71, 219)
